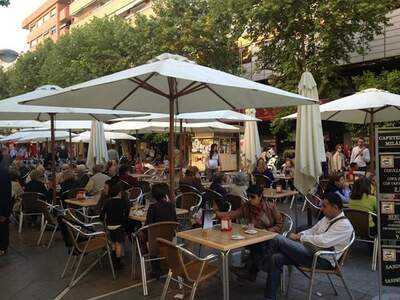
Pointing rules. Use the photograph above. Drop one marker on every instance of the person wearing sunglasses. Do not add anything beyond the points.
(333, 232)
(262, 215)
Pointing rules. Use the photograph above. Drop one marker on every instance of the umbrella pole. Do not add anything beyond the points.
(171, 142)
(372, 142)
(53, 158)
(70, 145)
(182, 147)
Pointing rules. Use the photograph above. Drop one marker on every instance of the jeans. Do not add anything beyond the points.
(284, 251)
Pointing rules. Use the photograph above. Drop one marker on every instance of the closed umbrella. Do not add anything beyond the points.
(97, 152)
(174, 84)
(310, 151)
(252, 147)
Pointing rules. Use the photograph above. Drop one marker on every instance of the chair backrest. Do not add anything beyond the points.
(188, 200)
(360, 221)
(314, 201)
(145, 186)
(287, 224)
(345, 251)
(262, 181)
(69, 232)
(213, 197)
(185, 188)
(70, 194)
(45, 210)
(29, 203)
(235, 201)
(135, 193)
(165, 230)
(174, 259)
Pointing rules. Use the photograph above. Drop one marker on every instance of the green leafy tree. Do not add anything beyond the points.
(4, 2)
(4, 84)
(315, 35)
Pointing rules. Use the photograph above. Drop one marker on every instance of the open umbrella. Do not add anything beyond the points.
(97, 152)
(110, 136)
(174, 84)
(310, 151)
(34, 136)
(18, 124)
(252, 146)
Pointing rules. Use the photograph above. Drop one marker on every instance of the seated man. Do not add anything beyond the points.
(333, 232)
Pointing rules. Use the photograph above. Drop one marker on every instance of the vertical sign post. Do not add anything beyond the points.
(388, 193)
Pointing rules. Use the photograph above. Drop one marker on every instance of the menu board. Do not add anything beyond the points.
(389, 204)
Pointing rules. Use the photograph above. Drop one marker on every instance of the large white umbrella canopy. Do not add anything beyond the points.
(110, 136)
(97, 152)
(153, 126)
(34, 136)
(252, 146)
(18, 124)
(68, 125)
(222, 115)
(173, 84)
(310, 151)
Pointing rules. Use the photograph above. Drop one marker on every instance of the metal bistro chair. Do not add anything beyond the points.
(135, 195)
(49, 220)
(314, 203)
(165, 230)
(190, 274)
(360, 221)
(335, 270)
(287, 228)
(216, 199)
(185, 188)
(262, 181)
(30, 207)
(189, 201)
(81, 242)
(236, 201)
(146, 190)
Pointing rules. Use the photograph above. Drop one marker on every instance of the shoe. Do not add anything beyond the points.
(244, 274)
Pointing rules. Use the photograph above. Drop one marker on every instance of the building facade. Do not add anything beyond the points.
(50, 20)
(82, 11)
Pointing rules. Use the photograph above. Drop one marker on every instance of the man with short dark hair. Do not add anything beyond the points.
(5, 208)
(332, 232)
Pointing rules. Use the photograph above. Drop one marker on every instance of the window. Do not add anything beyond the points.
(39, 22)
(46, 17)
(53, 30)
(53, 13)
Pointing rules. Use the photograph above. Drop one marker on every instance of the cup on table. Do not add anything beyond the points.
(250, 226)
(279, 188)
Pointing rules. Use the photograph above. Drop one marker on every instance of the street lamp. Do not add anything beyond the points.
(8, 55)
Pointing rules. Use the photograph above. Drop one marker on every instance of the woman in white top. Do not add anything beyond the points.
(213, 163)
(338, 160)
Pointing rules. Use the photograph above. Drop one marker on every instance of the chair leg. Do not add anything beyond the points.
(332, 285)
(67, 263)
(77, 268)
(166, 285)
(42, 229)
(375, 254)
(345, 285)
(193, 292)
(292, 202)
(304, 205)
(21, 220)
(311, 284)
(52, 236)
(110, 260)
(144, 279)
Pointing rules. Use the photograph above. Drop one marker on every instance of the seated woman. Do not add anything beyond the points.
(337, 185)
(82, 176)
(97, 181)
(192, 178)
(68, 181)
(115, 215)
(362, 199)
(161, 210)
(240, 184)
(263, 215)
(37, 184)
(217, 184)
(262, 169)
(125, 177)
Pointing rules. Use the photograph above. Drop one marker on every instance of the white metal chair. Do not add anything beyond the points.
(30, 207)
(49, 221)
(335, 270)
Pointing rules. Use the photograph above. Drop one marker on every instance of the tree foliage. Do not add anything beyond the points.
(4, 2)
(315, 35)
(4, 84)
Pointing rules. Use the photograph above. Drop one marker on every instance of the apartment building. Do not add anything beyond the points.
(50, 20)
(82, 11)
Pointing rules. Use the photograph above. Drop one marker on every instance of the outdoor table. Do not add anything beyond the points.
(222, 241)
(271, 193)
(141, 217)
(84, 203)
(140, 176)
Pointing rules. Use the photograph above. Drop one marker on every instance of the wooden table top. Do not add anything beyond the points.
(142, 218)
(222, 240)
(92, 201)
(271, 193)
(134, 175)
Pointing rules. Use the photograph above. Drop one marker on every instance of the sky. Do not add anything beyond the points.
(12, 36)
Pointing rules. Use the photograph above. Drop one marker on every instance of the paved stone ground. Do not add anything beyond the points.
(31, 272)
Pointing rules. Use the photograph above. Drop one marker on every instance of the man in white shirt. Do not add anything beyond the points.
(360, 155)
(332, 232)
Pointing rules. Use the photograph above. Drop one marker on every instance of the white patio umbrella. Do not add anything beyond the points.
(97, 152)
(34, 136)
(310, 151)
(18, 124)
(252, 146)
(174, 84)
(110, 136)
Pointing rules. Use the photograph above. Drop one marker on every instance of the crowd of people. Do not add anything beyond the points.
(348, 184)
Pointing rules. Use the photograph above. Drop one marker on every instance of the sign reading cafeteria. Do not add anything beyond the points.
(389, 204)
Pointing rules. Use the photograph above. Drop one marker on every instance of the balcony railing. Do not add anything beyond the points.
(77, 5)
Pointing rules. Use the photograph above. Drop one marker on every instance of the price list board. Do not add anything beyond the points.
(388, 163)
